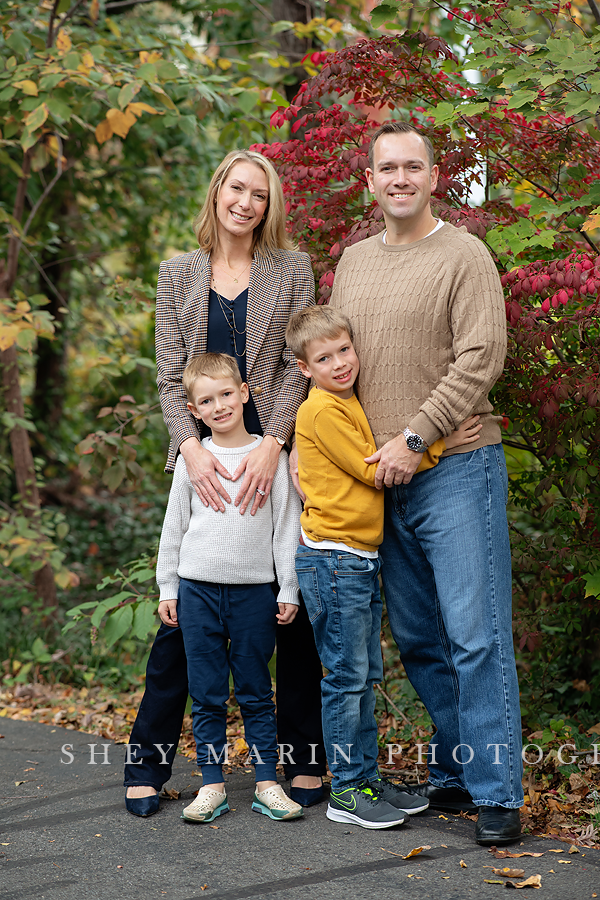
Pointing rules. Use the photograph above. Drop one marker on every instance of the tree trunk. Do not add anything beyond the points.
(292, 47)
(13, 398)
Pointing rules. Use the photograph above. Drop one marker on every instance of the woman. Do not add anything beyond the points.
(234, 295)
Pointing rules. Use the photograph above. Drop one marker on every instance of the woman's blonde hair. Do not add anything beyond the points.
(270, 234)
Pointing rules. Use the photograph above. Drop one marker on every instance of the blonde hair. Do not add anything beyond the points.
(211, 365)
(312, 324)
(270, 234)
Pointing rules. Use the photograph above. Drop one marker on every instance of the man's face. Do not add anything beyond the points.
(401, 178)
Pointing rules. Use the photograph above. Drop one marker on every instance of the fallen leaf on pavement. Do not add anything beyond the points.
(443, 817)
(493, 881)
(463, 864)
(565, 862)
(506, 854)
(416, 851)
(554, 850)
(573, 849)
(170, 794)
(509, 873)
(535, 881)
(17, 783)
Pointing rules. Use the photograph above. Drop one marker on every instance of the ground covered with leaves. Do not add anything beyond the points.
(562, 790)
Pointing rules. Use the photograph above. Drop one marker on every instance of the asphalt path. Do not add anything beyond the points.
(65, 835)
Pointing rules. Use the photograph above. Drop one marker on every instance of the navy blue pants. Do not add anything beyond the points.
(230, 628)
(157, 728)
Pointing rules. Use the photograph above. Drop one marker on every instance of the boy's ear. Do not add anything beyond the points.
(194, 410)
(303, 368)
(245, 392)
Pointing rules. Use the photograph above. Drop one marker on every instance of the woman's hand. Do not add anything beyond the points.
(167, 610)
(287, 613)
(202, 467)
(466, 433)
(294, 472)
(259, 470)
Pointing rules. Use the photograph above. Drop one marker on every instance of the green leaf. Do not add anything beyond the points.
(144, 620)
(8, 93)
(592, 584)
(443, 113)
(147, 72)
(127, 93)
(114, 475)
(71, 60)
(385, 12)
(189, 126)
(50, 81)
(521, 98)
(581, 101)
(28, 140)
(59, 110)
(18, 42)
(109, 603)
(117, 625)
(247, 100)
(167, 71)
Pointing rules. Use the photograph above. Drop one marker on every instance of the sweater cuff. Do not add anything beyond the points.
(169, 591)
(289, 594)
(424, 427)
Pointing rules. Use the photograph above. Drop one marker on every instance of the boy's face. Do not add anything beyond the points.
(219, 403)
(333, 364)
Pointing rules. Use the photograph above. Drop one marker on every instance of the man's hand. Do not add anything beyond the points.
(167, 610)
(202, 467)
(259, 469)
(397, 464)
(294, 472)
(287, 613)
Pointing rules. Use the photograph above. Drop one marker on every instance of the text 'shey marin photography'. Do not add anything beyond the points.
(463, 754)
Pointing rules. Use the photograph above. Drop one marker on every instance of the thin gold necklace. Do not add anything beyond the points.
(215, 263)
(224, 309)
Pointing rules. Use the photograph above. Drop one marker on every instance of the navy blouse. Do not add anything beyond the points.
(220, 339)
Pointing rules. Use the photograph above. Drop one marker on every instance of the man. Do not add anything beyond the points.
(427, 307)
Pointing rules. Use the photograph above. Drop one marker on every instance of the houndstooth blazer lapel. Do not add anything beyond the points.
(195, 307)
(263, 293)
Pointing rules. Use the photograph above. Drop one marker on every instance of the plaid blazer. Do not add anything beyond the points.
(281, 284)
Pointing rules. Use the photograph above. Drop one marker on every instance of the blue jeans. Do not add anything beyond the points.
(447, 581)
(343, 601)
(230, 627)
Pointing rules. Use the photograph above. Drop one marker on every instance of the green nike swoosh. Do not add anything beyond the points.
(350, 805)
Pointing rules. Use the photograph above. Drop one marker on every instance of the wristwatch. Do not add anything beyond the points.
(279, 440)
(414, 441)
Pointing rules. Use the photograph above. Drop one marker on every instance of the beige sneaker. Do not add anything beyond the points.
(276, 804)
(207, 806)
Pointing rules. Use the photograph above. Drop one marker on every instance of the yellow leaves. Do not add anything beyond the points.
(94, 10)
(120, 121)
(535, 881)
(591, 222)
(224, 63)
(8, 335)
(240, 746)
(147, 57)
(416, 851)
(509, 873)
(463, 864)
(63, 42)
(36, 118)
(27, 86)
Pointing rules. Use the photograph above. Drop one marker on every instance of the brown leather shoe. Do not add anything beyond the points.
(497, 825)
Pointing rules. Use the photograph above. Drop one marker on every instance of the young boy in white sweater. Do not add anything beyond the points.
(215, 573)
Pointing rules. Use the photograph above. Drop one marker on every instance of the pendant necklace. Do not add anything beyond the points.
(230, 269)
(223, 303)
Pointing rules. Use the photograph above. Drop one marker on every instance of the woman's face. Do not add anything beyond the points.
(242, 200)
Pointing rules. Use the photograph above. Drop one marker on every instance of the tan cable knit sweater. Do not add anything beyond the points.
(430, 332)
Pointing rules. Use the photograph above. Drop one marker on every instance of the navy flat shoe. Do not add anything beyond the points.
(142, 806)
(307, 796)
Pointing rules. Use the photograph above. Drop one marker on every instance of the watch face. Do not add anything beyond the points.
(414, 442)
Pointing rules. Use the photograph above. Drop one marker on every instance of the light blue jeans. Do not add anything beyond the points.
(447, 581)
(343, 600)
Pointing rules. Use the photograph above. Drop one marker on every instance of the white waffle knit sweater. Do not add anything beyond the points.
(227, 548)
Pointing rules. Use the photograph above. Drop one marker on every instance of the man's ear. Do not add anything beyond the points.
(194, 410)
(435, 172)
(369, 174)
(304, 368)
(245, 392)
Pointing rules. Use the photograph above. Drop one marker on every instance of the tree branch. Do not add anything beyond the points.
(71, 13)
(49, 186)
(50, 35)
(595, 11)
(120, 3)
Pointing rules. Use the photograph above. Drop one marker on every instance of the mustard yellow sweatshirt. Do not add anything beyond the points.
(342, 503)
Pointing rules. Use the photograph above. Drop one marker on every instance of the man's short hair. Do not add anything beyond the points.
(213, 365)
(313, 324)
(400, 128)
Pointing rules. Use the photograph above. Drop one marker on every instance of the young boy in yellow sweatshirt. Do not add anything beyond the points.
(338, 565)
